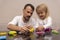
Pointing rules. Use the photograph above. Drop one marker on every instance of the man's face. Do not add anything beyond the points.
(41, 13)
(27, 13)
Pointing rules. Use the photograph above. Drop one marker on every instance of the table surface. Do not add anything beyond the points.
(55, 37)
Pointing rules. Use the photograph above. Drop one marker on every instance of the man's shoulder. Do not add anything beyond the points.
(20, 16)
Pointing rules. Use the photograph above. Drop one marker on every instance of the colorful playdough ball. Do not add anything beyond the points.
(47, 29)
(3, 33)
(3, 37)
(12, 33)
(55, 32)
(31, 30)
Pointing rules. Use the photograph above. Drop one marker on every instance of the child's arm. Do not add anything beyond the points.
(49, 23)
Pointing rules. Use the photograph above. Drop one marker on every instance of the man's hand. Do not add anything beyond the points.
(26, 28)
(29, 27)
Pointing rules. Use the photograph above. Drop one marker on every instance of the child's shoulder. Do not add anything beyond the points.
(49, 17)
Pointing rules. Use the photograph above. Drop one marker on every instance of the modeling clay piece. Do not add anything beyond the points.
(55, 32)
(3, 37)
(2, 33)
(12, 34)
(31, 30)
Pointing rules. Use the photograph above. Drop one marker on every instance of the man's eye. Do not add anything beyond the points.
(28, 12)
(31, 13)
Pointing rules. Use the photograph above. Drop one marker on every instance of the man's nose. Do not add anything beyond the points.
(29, 14)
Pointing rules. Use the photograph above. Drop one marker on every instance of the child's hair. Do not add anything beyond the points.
(43, 7)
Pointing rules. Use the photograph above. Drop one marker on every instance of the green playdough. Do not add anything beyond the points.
(55, 32)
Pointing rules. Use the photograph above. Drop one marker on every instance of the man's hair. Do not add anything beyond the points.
(30, 6)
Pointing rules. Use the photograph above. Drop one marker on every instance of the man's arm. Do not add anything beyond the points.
(17, 28)
(13, 27)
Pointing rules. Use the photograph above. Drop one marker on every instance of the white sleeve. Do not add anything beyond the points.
(35, 24)
(49, 23)
(14, 21)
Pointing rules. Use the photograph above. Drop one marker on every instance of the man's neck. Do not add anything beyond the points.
(25, 20)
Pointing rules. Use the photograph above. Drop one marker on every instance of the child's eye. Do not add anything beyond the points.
(38, 13)
(41, 12)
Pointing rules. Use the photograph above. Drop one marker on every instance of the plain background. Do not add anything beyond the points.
(11, 8)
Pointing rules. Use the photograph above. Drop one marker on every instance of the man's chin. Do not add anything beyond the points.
(27, 19)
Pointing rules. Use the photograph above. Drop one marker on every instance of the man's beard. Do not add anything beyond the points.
(26, 19)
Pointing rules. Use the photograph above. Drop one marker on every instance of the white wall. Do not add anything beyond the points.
(10, 8)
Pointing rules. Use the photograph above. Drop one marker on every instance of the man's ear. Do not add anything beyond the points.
(23, 10)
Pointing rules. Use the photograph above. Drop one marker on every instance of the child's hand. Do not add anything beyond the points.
(41, 28)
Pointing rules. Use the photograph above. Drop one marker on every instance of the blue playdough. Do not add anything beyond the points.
(2, 37)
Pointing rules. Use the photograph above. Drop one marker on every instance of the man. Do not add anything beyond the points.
(20, 23)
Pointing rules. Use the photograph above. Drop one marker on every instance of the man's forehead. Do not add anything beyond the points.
(28, 8)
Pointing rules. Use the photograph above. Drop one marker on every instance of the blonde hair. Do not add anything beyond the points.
(43, 7)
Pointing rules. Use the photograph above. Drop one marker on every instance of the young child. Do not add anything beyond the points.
(44, 20)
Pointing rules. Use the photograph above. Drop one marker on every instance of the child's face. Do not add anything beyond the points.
(41, 13)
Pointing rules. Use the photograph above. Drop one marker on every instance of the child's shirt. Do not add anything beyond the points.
(46, 23)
